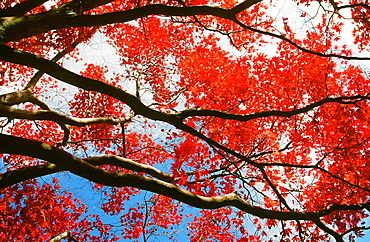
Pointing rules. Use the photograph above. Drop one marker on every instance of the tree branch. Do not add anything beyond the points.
(53, 69)
(67, 16)
(15, 28)
(58, 72)
(247, 117)
(80, 6)
(282, 37)
(32, 83)
(25, 173)
(322, 226)
(13, 177)
(66, 234)
(82, 168)
(36, 149)
(17, 97)
(21, 8)
(6, 111)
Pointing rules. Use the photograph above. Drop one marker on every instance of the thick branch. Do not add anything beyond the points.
(6, 111)
(60, 236)
(130, 165)
(243, 6)
(18, 97)
(322, 226)
(21, 8)
(22, 174)
(66, 234)
(54, 70)
(247, 117)
(13, 177)
(80, 6)
(15, 28)
(67, 16)
(32, 83)
(36, 149)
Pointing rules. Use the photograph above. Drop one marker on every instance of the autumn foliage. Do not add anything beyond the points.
(184, 120)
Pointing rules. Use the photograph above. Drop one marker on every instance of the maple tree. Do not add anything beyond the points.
(197, 111)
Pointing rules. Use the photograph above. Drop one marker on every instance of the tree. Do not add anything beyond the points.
(198, 112)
